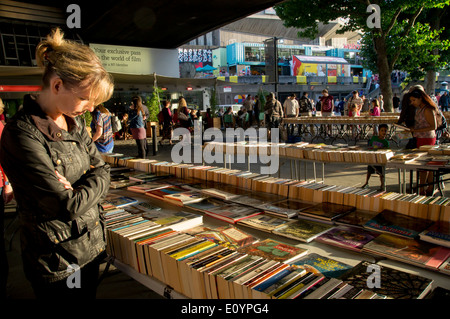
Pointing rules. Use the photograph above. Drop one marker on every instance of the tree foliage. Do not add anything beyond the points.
(386, 45)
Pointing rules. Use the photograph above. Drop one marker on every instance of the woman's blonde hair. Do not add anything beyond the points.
(2, 106)
(76, 64)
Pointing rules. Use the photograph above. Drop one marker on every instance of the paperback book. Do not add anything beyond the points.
(399, 224)
(288, 208)
(141, 208)
(228, 236)
(438, 233)
(326, 211)
(207, 204)
(329, 267)
(178, 221)
(302, 230)
(161, 192)
(356, 218)
(347, 237)
(122, 201)
(264, 222)
(396, 284)
(412, 251)
(275, 250)
(182, 199)
(233, 213)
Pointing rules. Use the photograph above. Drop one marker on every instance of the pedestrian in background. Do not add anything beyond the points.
(102, 133)
(136, 118)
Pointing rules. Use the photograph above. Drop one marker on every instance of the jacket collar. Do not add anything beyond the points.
(43, 122)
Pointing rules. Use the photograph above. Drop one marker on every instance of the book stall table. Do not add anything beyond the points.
(301, 153)
(165, 239)
(416, 166)
(343, 127)
(315, 248)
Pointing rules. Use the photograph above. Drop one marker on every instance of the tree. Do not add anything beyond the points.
(379, 26)
(153, 103)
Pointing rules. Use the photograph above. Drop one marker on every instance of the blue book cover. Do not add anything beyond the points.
(316, 263)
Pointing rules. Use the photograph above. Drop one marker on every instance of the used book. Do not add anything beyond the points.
(326, 211)
(184, 198)
(399, 224)
(356, 218)
(228, 236)
(347, 237)
(288, 208)
(275, 250)
(264, 222)
(303, 230)
(207, 204)
(233, 213)
(178, 221)
(122, 201)
(412, 251)
(395, 283)
(438, 233)
(329, 267)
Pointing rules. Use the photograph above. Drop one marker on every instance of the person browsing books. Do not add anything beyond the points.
(426, 121)
(57, 173)
(378, 142)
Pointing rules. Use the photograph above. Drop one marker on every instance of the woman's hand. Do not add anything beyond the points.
(64, 181)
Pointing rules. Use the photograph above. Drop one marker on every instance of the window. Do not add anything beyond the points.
(253, 54)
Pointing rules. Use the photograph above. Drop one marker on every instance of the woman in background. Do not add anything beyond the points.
(167, 122)
(424, 130)
(136, 118)
(102, 133)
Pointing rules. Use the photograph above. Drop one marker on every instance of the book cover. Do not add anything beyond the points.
(329, 267)
(327, 211)
(396, 284)
(275, 250)
(222, 194)
(302, 230)
(445, 267)
(287, 207)
(347, 237)
(264, 222)
(356, 218)
(228, 236)
(438, 233)
(399, 224)
(159, 193)
(178, 221)
(141, 208)
(257, 199)
(184, 198)
(207, 204)
(233, 213)
(122, 201)
(412, 251)
(146, 187)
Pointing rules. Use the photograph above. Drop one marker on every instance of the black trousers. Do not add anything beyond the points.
(89, 275)
(142, 146)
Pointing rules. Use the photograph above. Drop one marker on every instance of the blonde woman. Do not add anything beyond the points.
(56, 171)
